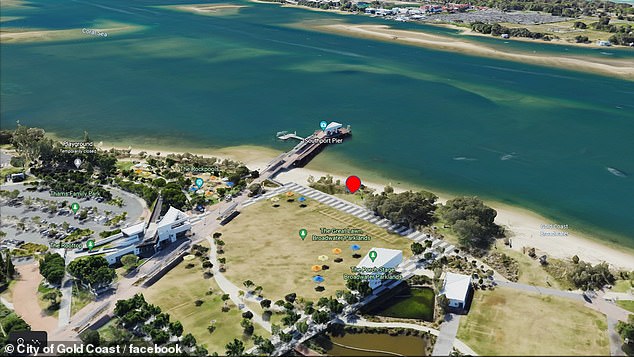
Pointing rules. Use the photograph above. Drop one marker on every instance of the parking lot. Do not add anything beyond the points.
(37, 217)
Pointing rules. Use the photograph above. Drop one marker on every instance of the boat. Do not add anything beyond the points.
(616, 172)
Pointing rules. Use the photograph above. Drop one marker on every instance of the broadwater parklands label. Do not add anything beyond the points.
(340, 234)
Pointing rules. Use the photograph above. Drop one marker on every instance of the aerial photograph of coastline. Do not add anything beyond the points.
(317, 177)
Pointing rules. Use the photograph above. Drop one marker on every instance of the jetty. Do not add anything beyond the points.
(285, 136)
(306, 149)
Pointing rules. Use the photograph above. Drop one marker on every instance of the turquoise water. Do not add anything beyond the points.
(521, 134)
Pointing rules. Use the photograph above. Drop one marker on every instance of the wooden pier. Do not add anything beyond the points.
(303, 152)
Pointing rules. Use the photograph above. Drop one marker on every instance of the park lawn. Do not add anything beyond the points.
(176, 293)
(80, 298)
(511, 322)
(417, 304)
(626, 304)
(44, 303)
(124, 164)
(263, 244)
(566, 31)
(621, 286)
(530, 270)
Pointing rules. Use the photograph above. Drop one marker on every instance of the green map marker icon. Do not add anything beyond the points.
(372, 255)
(303, 233)
(74, 207)
(90, 244)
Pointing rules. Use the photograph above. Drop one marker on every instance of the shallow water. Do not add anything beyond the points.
(521, 134)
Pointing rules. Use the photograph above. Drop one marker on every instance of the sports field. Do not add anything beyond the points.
(263, 244)
(511, 322)
(176, 294)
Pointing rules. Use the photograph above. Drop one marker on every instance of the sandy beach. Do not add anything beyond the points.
(22, 35)
(524, 224)
(617, 68)
(213, 9)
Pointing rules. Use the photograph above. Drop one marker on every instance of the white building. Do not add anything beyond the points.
(333, 128)
(144, 240)
(385, 258)
(456, 288)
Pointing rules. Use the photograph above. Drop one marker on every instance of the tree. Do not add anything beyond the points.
(129, 261)
(93, 271)
(575, 259)
(248, 283)
(626, 329)
(189, 340)
(173, 196)
(405, 208)
(266, 303)
(443, 302)
(302, 327)
(28, 142)
(247, 325)
(234, 348)
(471, 220)
(91, 337)
(176, 328)
(417, 248)
(52, 268)
(320, 317)
(10, 268)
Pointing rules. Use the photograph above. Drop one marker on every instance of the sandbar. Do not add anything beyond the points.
(617, 68)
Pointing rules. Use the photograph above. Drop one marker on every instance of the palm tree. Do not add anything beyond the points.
(235, 348)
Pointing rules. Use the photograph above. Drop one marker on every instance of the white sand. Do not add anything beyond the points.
(524, 224)
(618, 68)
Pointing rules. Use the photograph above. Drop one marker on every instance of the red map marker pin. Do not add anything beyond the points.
(353, 183)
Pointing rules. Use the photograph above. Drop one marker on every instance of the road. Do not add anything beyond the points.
(446, 338)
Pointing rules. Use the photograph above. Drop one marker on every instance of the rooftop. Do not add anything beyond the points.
(383, 257)
(133, 230)
(456, 286)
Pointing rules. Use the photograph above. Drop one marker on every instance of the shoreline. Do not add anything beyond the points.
(12, 35)
(622, 69)
(525, 224)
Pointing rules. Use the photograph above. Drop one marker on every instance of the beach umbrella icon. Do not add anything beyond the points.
(318, 279)
(316, 268)
(301, 199)
(355, 247)
(322, 258)
(336, 251)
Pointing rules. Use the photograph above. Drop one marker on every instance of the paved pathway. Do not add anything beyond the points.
(229, 288)
(459, 345)
(447, 337)
(540, 290)
(615, 338)
(7, 303)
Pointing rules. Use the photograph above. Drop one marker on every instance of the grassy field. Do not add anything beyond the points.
(81, 297)
(566, 31)
(176, 293)
(419, 305)
(263, 245)
(509, 322)
(531, 272)
(626, 304)
(45, 303)
(622, 286)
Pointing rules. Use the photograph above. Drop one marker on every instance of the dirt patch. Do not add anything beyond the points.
(25, 299)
